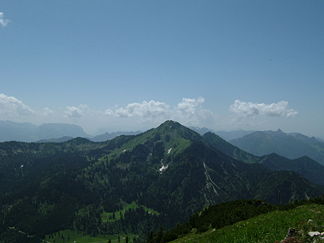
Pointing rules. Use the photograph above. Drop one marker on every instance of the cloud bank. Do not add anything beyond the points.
(146, 114)
(3, 21)
(249, 109)
(145, 109)
(189, 105)
(11, 107)
(188, 111)
(136, 115)
(75, 111)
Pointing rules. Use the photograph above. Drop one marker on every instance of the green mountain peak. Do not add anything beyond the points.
(170, 123)
(177, 130)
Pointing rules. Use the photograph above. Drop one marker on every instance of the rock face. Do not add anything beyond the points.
(295, 236)
(291, 233)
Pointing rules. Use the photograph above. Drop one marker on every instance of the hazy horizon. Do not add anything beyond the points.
(126, 66)
(103, 131)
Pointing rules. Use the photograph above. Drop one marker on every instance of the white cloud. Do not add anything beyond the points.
(146, 114)
(188, 111)
(75, 111)
(3, 21)
(145, 109)
(11, 107)
(137, 115)
(47, 111)
(189, 105)
(249, 109)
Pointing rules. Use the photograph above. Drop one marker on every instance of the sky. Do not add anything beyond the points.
(129, 65)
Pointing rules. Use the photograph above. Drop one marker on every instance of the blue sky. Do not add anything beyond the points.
(123, 65)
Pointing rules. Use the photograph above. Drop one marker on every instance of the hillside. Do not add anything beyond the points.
(130, 184)
(304, 166)
(290, 145)
(219, 143)
(269, 224)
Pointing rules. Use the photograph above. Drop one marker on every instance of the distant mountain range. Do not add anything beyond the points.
(227, 135)
(27, 132)
(50, 132)
(138, 183)
(290, 145)
(304, 166)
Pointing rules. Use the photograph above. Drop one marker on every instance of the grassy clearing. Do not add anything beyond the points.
(69, 236)
(265, 228)
(115, 216)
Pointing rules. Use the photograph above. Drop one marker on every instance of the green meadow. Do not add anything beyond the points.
(266, 228)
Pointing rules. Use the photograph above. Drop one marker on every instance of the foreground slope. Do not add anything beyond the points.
(266, 228)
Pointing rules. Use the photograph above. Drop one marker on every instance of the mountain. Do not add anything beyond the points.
(290, 145)
(110, 135)
(12, 131)
(304, 166)
(201, 130)
(57, 130)
(130, 184)
(219, 143)
(320, 139)
(229, 135)
(27, 132)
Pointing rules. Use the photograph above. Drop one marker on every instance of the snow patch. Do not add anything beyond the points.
(169, 150)
(125, 150)
(163, 168)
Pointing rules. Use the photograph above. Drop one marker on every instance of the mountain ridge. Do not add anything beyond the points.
(290, 145)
